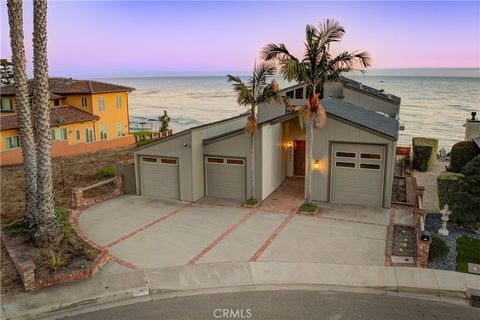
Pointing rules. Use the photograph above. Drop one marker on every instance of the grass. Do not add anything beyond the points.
(251, 201)
(143, 142)
(107, 172)
(308, 207)
(63, 221)
(54, 261)
(468, 251)
(140, 133)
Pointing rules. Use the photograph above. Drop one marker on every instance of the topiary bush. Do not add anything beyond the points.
(448, 184)
(439, 249)
(424, 153)
(461, 154)
(471, 171)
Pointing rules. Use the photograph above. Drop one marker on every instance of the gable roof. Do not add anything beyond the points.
(62, 86)
(58, 116)
(360, 116)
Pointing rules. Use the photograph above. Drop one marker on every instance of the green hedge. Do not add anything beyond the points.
(424, 153)
(107, 172)
(462, 152)
(448, 184)
(439, 249)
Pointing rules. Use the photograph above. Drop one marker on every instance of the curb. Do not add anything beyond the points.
(101, 292)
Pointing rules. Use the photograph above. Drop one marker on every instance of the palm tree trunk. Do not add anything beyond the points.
(309, 156)
(252, 166)
(24, 111)
(48, 231)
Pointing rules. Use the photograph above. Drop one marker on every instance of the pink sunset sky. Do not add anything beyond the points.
(95, 38)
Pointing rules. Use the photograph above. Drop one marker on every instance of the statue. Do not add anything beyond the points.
(164, 120)
(445, 213)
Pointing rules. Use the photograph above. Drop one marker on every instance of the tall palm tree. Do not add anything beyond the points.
(48, 231)
(315, 68)
(256, 91)
(24, 111)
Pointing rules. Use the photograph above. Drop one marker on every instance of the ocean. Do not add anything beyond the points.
(435, 102)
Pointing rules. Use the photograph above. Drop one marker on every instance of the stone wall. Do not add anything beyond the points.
(79, 202)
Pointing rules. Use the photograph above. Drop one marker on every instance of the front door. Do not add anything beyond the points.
(299, 158)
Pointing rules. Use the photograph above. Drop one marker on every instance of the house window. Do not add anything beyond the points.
(59, 134)
(149, 159)
(299, 93)
(12, 142)
(168, 161)
(370, 166)
(101, 103)
(6, 104)
(118, 101)
(103, 132)
(235, 161)
(215, 160)
(84, 102)
(88, 135)
(345, 164)
(77, 134)
(289, 94)
(345, 154)
(56, 102)
(374, 156)
(119, 129)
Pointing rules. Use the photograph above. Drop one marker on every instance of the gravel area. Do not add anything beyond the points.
(429, 181)
(432, 224)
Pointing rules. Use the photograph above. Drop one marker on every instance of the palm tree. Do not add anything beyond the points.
(24, 111)
(316, 67)
(256, 91)
(48, 231)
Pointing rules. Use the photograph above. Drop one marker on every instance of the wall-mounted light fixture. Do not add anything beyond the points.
(289, 145)
(315, 164)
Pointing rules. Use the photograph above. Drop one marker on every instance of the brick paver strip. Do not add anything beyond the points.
(124, 263)
(148, 225)
(221, 237)
(272, 237)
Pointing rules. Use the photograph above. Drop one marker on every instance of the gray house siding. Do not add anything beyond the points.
(370, 102)
(273, 163)
(339, 131)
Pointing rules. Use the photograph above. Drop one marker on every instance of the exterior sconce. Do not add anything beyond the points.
(315, 164)
(289, 145)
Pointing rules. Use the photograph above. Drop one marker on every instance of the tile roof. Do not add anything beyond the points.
(58, 116)
(64, 86)
(363, 117)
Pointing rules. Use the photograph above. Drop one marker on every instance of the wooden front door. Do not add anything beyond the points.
(299, 158)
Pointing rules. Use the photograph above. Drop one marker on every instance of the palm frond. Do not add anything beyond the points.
(244, 95)
(273, 51)
(345, 62)
(294, 70)
(329, 31)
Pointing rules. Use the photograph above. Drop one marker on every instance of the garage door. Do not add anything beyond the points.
(159, 177)
(357, 174)
(226, 177)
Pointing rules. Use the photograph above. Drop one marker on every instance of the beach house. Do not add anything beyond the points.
(86, 116)
(353, 154)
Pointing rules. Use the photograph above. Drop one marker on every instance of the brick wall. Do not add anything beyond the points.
(79, 202)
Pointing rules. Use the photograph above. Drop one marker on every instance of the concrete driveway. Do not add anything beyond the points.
(143, 232)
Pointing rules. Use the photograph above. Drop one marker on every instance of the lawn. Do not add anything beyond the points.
(468, 250)
(140, 133)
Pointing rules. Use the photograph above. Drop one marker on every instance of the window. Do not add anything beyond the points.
(6, 104)
(370, 166)
(345, 164)
(374, 156)
(149, 159)
(119, 129)
(88, 135)
(59, 134)
(299, 93)
(56, 102)
(168, 161)
(101, 103)
(289, 94)
(345, 154)
(77, 134)
(84, 102)
(235, 161)
(118, 101)
(12, 142)
(215, 160)
(103, 132)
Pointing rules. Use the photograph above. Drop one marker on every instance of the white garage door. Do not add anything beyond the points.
(357, 174)
(159, 177)
(225, 177)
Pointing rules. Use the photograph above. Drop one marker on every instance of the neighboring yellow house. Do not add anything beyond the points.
(83, 111)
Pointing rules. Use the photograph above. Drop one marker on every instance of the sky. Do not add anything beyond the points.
(121, 38)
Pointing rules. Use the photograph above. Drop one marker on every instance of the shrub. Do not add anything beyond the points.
(439, 249)
(461, 154)
(471, 171)
(64, 223)
(17, 227)
(308, 207)
(448, 184)
(107, 172)
(424, 153)
(251, 201)
(54, 261)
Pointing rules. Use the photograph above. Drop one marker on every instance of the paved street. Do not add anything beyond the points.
(142, 232)
(287, 305)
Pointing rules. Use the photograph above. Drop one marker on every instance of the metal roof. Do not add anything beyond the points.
(363, 117)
